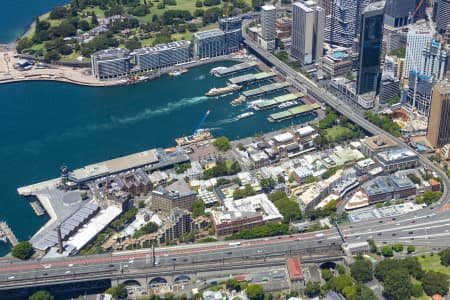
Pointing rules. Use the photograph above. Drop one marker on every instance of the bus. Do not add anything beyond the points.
(234, 244)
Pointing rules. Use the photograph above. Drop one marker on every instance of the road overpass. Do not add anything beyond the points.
(429, 228)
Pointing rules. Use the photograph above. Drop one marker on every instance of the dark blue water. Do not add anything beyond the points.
(17, 15)
(46, 124)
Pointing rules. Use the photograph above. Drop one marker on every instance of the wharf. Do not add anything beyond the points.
(251, 78)
(242, 67)
(37, 208)
(268, 104)
(8, 233)
(266, 89)
(293, 112)
(29, 190)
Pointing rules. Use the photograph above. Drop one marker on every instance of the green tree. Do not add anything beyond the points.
(364, 293)
(362, 270)
(150, 227)
(41, 295)
(94, 20)
(340, 268)
(397, 285)
(387, 251)
(23, 250)
(198, 208)
(233, 284)
(133, 44)
(435, 283)
(267, 184)
(289, 209)
(372, 245)
(312, 289)
(118, 292)
(398, 247)
(411, 248)
(24, 44)
(327, 274)
(445, 257)
(339, 283)
(416, 290)
(198, 3)
(222, 143)
(255, 292)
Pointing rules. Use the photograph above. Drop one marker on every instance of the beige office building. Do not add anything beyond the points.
(439, 121)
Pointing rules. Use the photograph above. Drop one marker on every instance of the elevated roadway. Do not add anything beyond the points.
(431, 229)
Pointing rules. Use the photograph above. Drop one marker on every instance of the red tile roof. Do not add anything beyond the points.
(295, 271)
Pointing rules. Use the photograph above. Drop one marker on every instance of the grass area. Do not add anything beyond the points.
(334, 133)
(423, 297)
(429, 262)
(98, 12)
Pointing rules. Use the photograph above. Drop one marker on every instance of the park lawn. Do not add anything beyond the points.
(335, 132)
(98, 12)
(433, 263)
(423, 297)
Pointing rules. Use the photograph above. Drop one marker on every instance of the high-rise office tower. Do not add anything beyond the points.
(439, 121)
(371, 37)
(418, 37)
(308, 22)
(397, 12)
(327, 5)
(268, 29)
(419, 92)
(342, 25)
(443, 15)
(434, 60)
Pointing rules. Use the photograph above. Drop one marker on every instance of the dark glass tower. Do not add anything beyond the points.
(371, 36)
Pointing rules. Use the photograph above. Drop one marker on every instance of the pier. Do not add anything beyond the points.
(242, 67)
(251, 78)
(8, 233)
(268, 104)
(293, 112)
(266, 89)
(37, 208)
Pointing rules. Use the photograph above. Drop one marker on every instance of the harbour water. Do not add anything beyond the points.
(46, 124)
(17, 15)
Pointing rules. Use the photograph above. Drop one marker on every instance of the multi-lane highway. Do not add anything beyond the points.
(429, 227)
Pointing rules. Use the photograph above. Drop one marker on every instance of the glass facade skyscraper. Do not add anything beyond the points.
(371, 36)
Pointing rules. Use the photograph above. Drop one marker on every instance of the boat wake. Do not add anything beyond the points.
(151, 112)
(115, 122)
(224, 121)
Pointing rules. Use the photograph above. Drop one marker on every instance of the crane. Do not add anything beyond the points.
(411, 16)
(203, 119)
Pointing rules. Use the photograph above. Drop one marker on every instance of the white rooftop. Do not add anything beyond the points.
(284, 137)
(307, 130)
(95, 226)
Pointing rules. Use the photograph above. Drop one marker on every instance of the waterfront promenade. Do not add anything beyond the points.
(81, 76)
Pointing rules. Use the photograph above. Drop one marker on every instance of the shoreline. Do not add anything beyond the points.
(81, 76)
